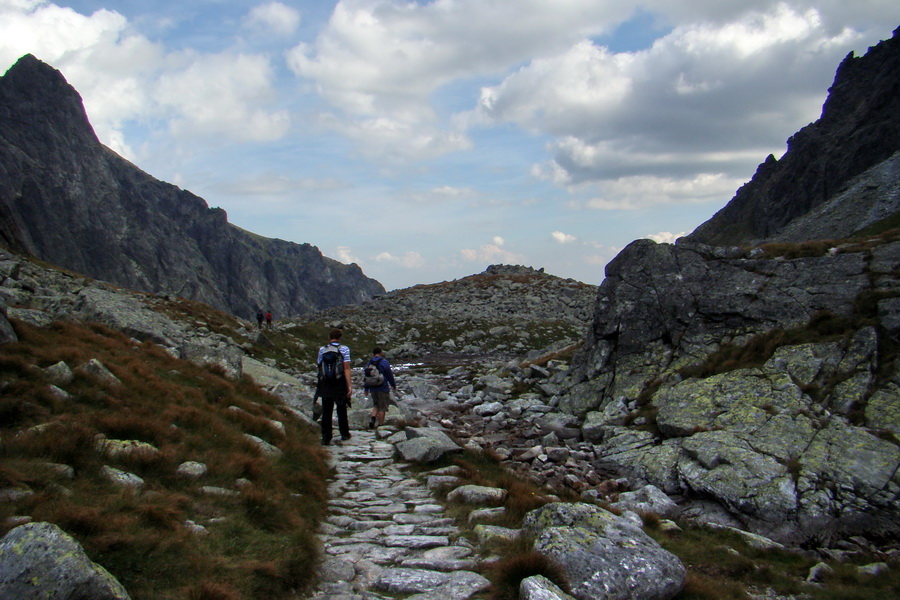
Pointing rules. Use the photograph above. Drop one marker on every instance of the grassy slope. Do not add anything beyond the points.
(260, 543)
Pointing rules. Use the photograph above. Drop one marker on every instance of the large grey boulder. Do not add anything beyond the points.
(648, 499)
(604, 556)
(126, 312)
(426, 446)
(226, 356)
(40, 561)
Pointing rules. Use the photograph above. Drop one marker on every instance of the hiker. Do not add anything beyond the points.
(378, 379)
(268, 319)
(335, 386)
(259, 318)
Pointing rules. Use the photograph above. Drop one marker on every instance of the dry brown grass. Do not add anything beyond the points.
(507, 574)
(261, 543)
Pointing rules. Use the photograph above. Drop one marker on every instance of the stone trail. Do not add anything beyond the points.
(386, 536)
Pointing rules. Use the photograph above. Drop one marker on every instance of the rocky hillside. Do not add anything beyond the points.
(859, 129)
(504, 312)
(68, 200)
(812, 424)
(760, 385)
(765, 385)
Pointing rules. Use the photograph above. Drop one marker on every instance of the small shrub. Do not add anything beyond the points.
(698, 586)
(265, 511)
(651, 520)
(507, 574)
(209, 590)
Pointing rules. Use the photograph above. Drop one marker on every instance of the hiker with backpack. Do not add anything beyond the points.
(335, 386)
(379, 380)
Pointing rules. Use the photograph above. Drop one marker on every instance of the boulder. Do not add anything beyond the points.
(7, 333)
(39, 560)
(229, 357)
(60, 374)
(97, 369)
(458, 585)
(425, 446)
(648, 499)
(538, 587)
(477, 494)
(604, 557)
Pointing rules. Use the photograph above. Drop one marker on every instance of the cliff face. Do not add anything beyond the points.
(765, 386)
(859, 129)
(68, 200)
(761, 386)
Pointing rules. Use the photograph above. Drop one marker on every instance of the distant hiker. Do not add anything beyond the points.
(259, 318)
(335, 386)
(378, 379)
(268, 319)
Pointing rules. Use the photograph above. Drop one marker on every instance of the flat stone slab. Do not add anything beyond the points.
(410, 581)
(416, 541)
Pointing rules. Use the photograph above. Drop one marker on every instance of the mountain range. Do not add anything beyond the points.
(67, 199)
(749, 373)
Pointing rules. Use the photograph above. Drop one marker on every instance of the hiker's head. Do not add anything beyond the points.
(376, 350)
(336, 334)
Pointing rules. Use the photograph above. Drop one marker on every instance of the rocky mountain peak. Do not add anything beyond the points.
(68, 200)
(35, 94)
(859, 129)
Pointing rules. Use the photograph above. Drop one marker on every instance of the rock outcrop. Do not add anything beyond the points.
(68, 200)
(763, 384)
(39, 296)
(859, 129)
(39, 560)
(759, 385)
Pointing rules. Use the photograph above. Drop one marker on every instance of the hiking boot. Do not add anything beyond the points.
(371, 422)
(344, 438)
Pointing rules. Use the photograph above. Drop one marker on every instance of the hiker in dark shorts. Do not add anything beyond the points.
(381, 394)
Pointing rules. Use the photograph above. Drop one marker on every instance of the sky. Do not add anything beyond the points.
(425, 140)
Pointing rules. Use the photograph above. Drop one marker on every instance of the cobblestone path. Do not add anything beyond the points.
(386, 537)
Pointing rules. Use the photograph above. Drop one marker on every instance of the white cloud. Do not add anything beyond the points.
(52, 32)
(562, 238)
(665, 237)
(222, 95)
(124, 77)
(707, 98)
(409, 260)
(345, 255)
(493, 253)
(379, 62)
(273, 184)
(631, 193)
(274, 17)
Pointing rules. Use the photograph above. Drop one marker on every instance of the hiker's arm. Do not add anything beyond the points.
(348, 378)
(389, 376)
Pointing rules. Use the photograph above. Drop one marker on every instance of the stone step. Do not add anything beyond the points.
(386, 535)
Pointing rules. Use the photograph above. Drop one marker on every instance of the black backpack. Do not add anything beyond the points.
(372, 376)
(331, 368)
